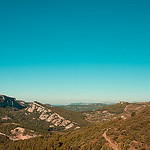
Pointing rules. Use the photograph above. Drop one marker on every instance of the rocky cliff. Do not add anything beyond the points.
(9, 101)
(49, 116)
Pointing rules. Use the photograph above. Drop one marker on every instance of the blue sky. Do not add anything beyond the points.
(60, 52)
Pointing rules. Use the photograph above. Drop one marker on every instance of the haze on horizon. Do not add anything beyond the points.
(61, 52)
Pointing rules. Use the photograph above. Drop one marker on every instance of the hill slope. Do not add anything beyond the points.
(40, 118)
(83, 107)
(131, 133)
(52, 127)
(9, 101)
(53, 116)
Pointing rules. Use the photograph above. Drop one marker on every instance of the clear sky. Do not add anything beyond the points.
(65, 51)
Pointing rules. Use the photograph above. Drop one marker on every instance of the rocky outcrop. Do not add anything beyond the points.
(53, 118)
(9, 101)
(18, 134)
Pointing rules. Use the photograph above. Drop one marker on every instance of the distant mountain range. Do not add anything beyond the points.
(80, 103)
(83, 106)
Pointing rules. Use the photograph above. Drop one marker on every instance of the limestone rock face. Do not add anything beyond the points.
(53, 118)
(9, 101)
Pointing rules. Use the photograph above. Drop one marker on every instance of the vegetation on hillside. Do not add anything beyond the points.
(133, 132)
(70, 115)
(31, 120)
(117, 108)
(85, 138)
(84, 107)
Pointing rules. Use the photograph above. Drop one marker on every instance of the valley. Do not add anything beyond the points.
(120, 126)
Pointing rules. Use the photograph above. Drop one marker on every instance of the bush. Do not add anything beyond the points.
(133, 114)
(121, 145)
(126, 147)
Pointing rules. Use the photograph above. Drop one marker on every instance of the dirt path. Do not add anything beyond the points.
(113, 145)
(10, 123)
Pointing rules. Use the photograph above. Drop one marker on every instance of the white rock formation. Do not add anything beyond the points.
(49, 116)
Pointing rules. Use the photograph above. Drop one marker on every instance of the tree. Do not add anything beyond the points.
(133, 114)
(121, 145)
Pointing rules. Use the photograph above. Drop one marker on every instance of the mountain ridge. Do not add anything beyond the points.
(9, 101)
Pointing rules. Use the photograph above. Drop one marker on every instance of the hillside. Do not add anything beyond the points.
(71, 115)
(83, 107)
(42, 118)
(132, 133)
(39, 126)
(6, 101)
(54, 117)
(121, 109)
